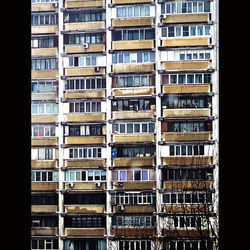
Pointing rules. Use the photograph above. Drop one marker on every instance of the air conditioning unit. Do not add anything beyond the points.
(85, 45)
(120, 208)
(209, 176)
(120, 184)
(98, 184)
(55, 5)
(71, 184)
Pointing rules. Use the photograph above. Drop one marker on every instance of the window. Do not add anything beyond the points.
(85, 221)
(133, 11)
(188, 126)
(75, 153)
(132, 104)
(44, 176)
(136, 57)
(82, 130)
(85, 61)
(84, 16)
(134, 127)
(44, 19)
(133, 221)
(44, 244)
(44, 42)
(88, 175)
(191, 149)
(44, 64)
(133, 198)
(42, 130)
(43, 86)
(133, 81)
(134, 175)
(92, 38)
(44, 108)
(82, 107)
(186, 55)
(139, 151)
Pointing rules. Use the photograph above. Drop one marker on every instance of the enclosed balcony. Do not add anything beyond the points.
(84, 4)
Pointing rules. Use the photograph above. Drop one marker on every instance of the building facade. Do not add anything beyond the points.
(124, 127)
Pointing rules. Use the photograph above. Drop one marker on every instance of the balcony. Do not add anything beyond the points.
(80, 49)
(91, 117)
(44, 186)
(189, 112)
(124, 115)
(133, 45)
(186, 65)
(85, 71)
(44, 96)
(133, 162)
(85, 231)
(131, 1)
(187, 185)
(134, 185)
(43, 74)
(127, 22)
(187, 160)
(85, 163)
(84, 209)
(76, 140)
(136, 209)
(137, 91)
(42, 7)
(44, 164)
(187, 208)
(186, 136)
(186, 18)
(83, 26)
(45, 29)
(44, 141)
(182, 42)
(84, 186)
(149, 137)
(43, 208)
(44, 118)
(133, 68)
(134, 232)
(84, 3)
(186, 88)
(44, 52)
(44, 231)
(85, 94)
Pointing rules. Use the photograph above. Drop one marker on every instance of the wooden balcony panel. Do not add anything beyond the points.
(189, 112)
(42, 7)
(44, 96)
(194, 65)
(79, 49)
(187, 185)
(187, 160)
(186, 136)
(74, 140)
(180, 42)
(188, 208)
(85, 231)
(134, 232)
(186, 88)
(43, 208)
(133, 162)
(44, 164)
(44, 186)
(131, 45)
(85, 94)
(192, 233)
(85, 117)
(141, 114)
(82, 26)
(150, 137)
(46, 29)
(135, 185)
(188, 18)
(43, 74)
(84, 3)
(134, 91)
(85, 163)
(44, 231)
(84, 71)
(127, 22)
(44, 52)
(44, 118)
(84, 186)
(44, 141)
(83, 209)
(133, 68)
(136, 209)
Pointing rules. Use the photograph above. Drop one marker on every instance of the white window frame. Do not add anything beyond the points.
(85, 103)
(133, 11)
(34, 173)
(89, 150)
(74, 174)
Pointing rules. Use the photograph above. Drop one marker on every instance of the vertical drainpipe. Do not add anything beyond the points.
(215, 106)
(60, 126)
(157, 122)
(108, 117)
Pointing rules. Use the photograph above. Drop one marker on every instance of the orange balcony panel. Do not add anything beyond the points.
(44, 141)
(186, 18)
(186, 88)
(85, 231)
(74, 140)
(43, 208)
(135, 185)
(93, 117)
(188, 208)
(44, 118)
(79, 49)
(85, 163)
(200, 112)
(85, 71)
(190, 233)
(43, 164)
(44, 186)
(131, 45)
(187, 160)
(194, 65)
(133, 68)
(36, 74)
(131, 1)
(123, 115)
(134, 91)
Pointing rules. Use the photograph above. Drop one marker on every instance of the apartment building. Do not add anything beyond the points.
(124, 127)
